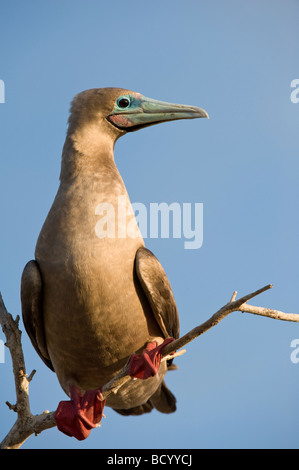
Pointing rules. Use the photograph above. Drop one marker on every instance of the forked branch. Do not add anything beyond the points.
(28, 424)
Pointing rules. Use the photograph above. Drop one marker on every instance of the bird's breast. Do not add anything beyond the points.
(95, 312)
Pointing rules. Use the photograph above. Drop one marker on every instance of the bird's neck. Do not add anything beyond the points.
(89, 181)
(87, 152)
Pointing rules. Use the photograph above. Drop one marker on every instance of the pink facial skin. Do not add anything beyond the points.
(121, 120)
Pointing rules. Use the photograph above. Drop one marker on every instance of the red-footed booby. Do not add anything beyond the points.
(90, 302)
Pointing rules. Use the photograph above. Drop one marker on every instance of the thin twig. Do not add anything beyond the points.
(267, 312)
(232, 306)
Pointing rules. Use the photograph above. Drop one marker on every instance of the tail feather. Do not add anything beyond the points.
(163, 400)
(137, 410)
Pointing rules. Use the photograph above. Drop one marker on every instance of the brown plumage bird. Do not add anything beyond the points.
(89, 301)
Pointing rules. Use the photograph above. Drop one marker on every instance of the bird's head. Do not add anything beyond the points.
(119, 110)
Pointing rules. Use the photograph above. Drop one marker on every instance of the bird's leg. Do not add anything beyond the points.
(83, 412)
(76, 417)
(145, 365)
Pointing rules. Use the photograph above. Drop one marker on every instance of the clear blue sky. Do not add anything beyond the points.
(236, 385)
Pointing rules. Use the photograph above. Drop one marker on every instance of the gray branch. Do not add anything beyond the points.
(28, 424)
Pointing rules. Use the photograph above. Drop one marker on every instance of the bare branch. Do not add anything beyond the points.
(267, 312)
(234, 296)
(11, 407)
(30, 376)
(232, 306)
(28, 424)
(11, 330)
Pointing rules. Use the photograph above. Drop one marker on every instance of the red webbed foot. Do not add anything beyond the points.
(145, 365)
(76, 417)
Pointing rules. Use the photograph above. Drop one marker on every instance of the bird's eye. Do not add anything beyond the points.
(123, 102)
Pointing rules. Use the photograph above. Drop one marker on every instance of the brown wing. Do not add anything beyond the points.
(158, 291)
(159, 294)
(31, 299)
